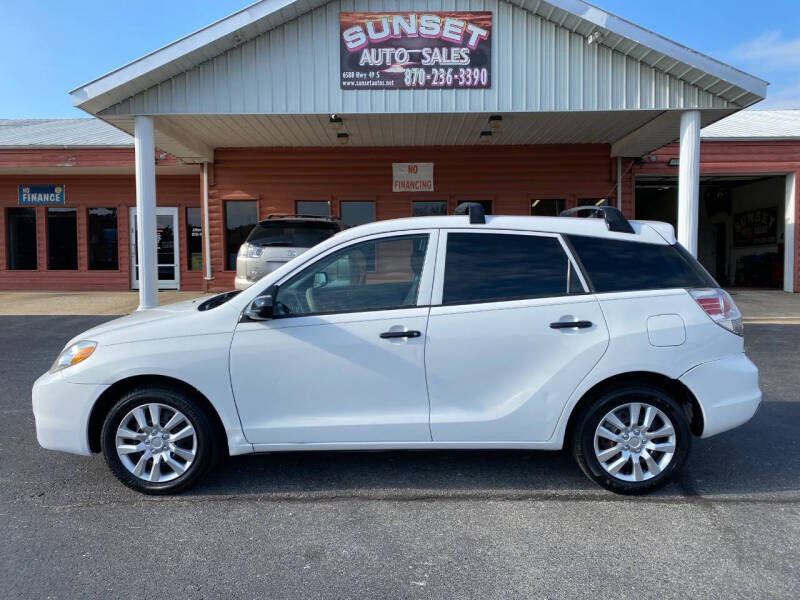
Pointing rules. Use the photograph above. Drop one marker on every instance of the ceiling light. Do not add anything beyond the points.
(342, 138)
(601, 202)
(336, 122)
(495, 121)
(535, 203)
(673, 162)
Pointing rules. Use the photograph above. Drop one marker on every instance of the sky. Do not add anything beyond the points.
(49, 47)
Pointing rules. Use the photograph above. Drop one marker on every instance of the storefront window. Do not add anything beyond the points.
(194, 239)
(357, 213)
(240, 217)
(313, 208)
(21, 238)
(546, 207)
(428, 208)
(102, 234)
(62, 238)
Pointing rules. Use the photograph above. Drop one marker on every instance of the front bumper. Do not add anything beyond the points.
(61, 410)
(727, 391)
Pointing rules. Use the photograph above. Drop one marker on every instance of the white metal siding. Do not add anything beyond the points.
(537, 65)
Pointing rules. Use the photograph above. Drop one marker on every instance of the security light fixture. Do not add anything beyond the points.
(342, 138)
(495, 121)
(336, 122)
(673, 162)
(596, 37)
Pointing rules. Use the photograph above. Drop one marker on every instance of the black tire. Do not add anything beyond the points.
(583, 438)
(207, 443)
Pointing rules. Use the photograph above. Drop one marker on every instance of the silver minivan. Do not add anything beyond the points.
(278, 239)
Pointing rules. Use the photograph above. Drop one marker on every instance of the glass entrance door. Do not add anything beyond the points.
(168, 257)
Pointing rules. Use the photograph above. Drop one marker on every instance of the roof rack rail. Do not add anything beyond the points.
(296, 216)
(615, 220)
(477, 216)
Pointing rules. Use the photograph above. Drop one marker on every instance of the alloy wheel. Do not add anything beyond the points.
(156, 442)
(634, 442)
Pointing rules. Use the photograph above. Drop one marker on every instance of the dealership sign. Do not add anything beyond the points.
(41, 194)
(412, 177)
(415, 50)
(756, 227)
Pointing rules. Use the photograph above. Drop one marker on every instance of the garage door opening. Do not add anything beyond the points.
(740, 228)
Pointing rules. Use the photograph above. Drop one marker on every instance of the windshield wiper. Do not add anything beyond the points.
(265, 244)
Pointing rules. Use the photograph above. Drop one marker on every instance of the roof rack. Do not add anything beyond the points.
(295, 216)
(615, 220)
(477, 216)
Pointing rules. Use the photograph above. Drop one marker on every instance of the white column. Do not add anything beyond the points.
(689, 180)
(144, 143)
(206, 226)
(789, 241)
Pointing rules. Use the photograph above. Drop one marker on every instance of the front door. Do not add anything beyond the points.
(168, 257)
(503, 356)
(342, 361)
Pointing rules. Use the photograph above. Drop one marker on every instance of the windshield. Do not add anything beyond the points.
(297, 234)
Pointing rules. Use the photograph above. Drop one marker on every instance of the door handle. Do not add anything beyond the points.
(570, 325)
(400, 334)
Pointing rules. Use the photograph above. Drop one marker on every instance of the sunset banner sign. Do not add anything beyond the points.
(415, 50)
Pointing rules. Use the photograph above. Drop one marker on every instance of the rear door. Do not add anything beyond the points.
(512, 331)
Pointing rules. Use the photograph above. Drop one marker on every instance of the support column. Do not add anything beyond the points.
(689, 180)
(619, 182)
(144, 142)
(206, 229)
(789, 226)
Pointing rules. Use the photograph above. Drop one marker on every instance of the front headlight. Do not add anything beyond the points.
(77, 352)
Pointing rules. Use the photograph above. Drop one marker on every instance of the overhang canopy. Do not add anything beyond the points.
(268, 75)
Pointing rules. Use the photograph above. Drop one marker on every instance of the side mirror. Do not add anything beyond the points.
(320, 279)
(261, 308)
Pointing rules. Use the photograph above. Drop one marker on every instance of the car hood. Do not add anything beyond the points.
(143, 324)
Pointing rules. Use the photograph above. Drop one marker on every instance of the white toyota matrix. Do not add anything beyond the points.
(468, 331)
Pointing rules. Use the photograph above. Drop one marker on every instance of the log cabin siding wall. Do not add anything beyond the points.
(509, 176)
(91, 191)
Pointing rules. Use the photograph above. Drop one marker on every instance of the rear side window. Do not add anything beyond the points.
(488, 267)
(620, 266)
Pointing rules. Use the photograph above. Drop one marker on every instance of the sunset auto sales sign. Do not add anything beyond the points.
(415, 50)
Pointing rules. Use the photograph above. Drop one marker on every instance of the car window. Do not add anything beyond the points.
(297, 234)
(373, 275)
(489, 267)
(621, 266)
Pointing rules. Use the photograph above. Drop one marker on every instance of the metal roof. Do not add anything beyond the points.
(61, 133)
(576, 16)
(755, 125)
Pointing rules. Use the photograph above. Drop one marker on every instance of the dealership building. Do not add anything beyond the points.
(338, 108)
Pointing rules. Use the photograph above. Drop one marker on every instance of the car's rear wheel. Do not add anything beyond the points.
(632, 440)
(158, 440)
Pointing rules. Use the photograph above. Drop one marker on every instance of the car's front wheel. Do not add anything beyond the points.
(158, 440)
(632, 440)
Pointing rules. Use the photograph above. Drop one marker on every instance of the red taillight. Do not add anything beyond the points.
(718, 305)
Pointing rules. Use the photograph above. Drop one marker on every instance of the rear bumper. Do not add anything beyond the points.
(727, 391)
(61, 410)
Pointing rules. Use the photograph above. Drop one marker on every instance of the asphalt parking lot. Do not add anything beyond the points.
(402, 524)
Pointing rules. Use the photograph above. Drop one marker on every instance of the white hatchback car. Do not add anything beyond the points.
(424, 333)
